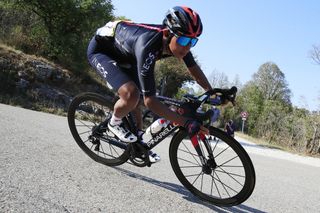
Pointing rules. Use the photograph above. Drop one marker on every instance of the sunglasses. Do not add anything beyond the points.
(184, 41)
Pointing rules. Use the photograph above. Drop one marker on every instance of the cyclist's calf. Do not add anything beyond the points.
(129, 99)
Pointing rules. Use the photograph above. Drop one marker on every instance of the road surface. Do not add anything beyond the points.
(43, 170)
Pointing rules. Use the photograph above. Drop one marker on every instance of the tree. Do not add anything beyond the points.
(313, 141)
(251, 100)
(271, 82)
(218, 79)
(69, 24)
(175, 73)
(315, 54)
(236, 82)
(271, 119)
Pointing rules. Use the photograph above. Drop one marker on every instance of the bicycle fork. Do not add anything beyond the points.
(208, 165)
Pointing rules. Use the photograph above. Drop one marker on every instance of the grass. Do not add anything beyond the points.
(264, 143)
(260, 141)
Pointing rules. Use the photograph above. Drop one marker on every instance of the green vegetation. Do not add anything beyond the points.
(272, 118)
(58, 30)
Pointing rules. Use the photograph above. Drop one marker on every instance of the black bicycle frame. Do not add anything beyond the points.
(163, 133)
(170, 128)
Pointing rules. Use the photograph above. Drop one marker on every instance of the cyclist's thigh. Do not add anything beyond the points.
(107, 68)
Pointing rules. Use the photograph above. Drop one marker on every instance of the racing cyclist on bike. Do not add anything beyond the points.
(124, 54)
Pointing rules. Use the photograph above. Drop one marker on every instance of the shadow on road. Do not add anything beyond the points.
(188, 195)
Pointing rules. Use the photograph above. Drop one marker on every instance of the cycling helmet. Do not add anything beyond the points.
(183, 21)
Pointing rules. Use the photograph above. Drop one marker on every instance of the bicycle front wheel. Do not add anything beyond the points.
(88, 114)
(227, 182)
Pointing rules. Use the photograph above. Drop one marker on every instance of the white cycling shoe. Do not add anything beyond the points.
(121, 133)
(154, 157)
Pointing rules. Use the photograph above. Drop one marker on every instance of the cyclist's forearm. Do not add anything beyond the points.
(163, 111)
(200, 77)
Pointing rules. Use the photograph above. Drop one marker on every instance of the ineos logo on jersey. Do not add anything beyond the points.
(100, 68)
(149, 60)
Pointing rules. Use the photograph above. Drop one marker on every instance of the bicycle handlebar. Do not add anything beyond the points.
(223, 94)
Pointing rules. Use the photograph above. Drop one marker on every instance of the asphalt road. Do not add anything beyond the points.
(42, 169)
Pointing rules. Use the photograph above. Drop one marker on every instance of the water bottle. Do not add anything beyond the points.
(156, 126)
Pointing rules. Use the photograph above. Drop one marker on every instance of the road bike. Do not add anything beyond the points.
(217, 171)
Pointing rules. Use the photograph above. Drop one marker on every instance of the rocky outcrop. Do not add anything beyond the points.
(42, 81)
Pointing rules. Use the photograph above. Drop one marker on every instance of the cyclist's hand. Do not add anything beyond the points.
(225, 96)
(194, 127)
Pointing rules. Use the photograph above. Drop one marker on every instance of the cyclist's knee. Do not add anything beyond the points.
(149, 102)
(129, 93)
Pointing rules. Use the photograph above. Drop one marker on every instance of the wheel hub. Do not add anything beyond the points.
(209, 166)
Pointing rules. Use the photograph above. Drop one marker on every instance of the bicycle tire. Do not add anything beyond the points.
(95, 106)
(178, 164)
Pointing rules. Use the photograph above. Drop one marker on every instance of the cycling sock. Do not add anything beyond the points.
(115, 120)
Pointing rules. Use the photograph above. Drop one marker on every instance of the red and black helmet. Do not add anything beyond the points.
(183, 21)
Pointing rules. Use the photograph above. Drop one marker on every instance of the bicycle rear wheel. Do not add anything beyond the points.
(88, 114)
(229, 181)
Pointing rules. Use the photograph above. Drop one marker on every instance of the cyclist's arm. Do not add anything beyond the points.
(146, 54)
(199, 77)
(196, 72)
(163, 111)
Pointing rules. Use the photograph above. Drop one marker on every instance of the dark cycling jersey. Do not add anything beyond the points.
(138, 45)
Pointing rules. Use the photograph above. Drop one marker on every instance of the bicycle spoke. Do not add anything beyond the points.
(83, 124)
(224, 185)
(191, 153)
(201, 181)
(108, 155)
(103, 150)
(228, 161)
(193, 175)
(188, 152)
(215, 146)
(230, 175)
(86, 141)
(91, 146)
(190, 162)
(216, 186)
(114, 149)
(89, 116)
(84, 132)
(230, 166)
(211, 186)
(110, 146)
(183, 167)
(222, 151)
(196, 178)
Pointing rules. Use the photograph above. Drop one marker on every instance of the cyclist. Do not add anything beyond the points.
(124, 54)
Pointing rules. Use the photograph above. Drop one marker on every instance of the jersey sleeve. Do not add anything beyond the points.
(189, 60)
(146, 53)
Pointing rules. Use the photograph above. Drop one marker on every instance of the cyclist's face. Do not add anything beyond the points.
(178, 50)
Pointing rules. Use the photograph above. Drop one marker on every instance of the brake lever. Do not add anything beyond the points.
(225, 94)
